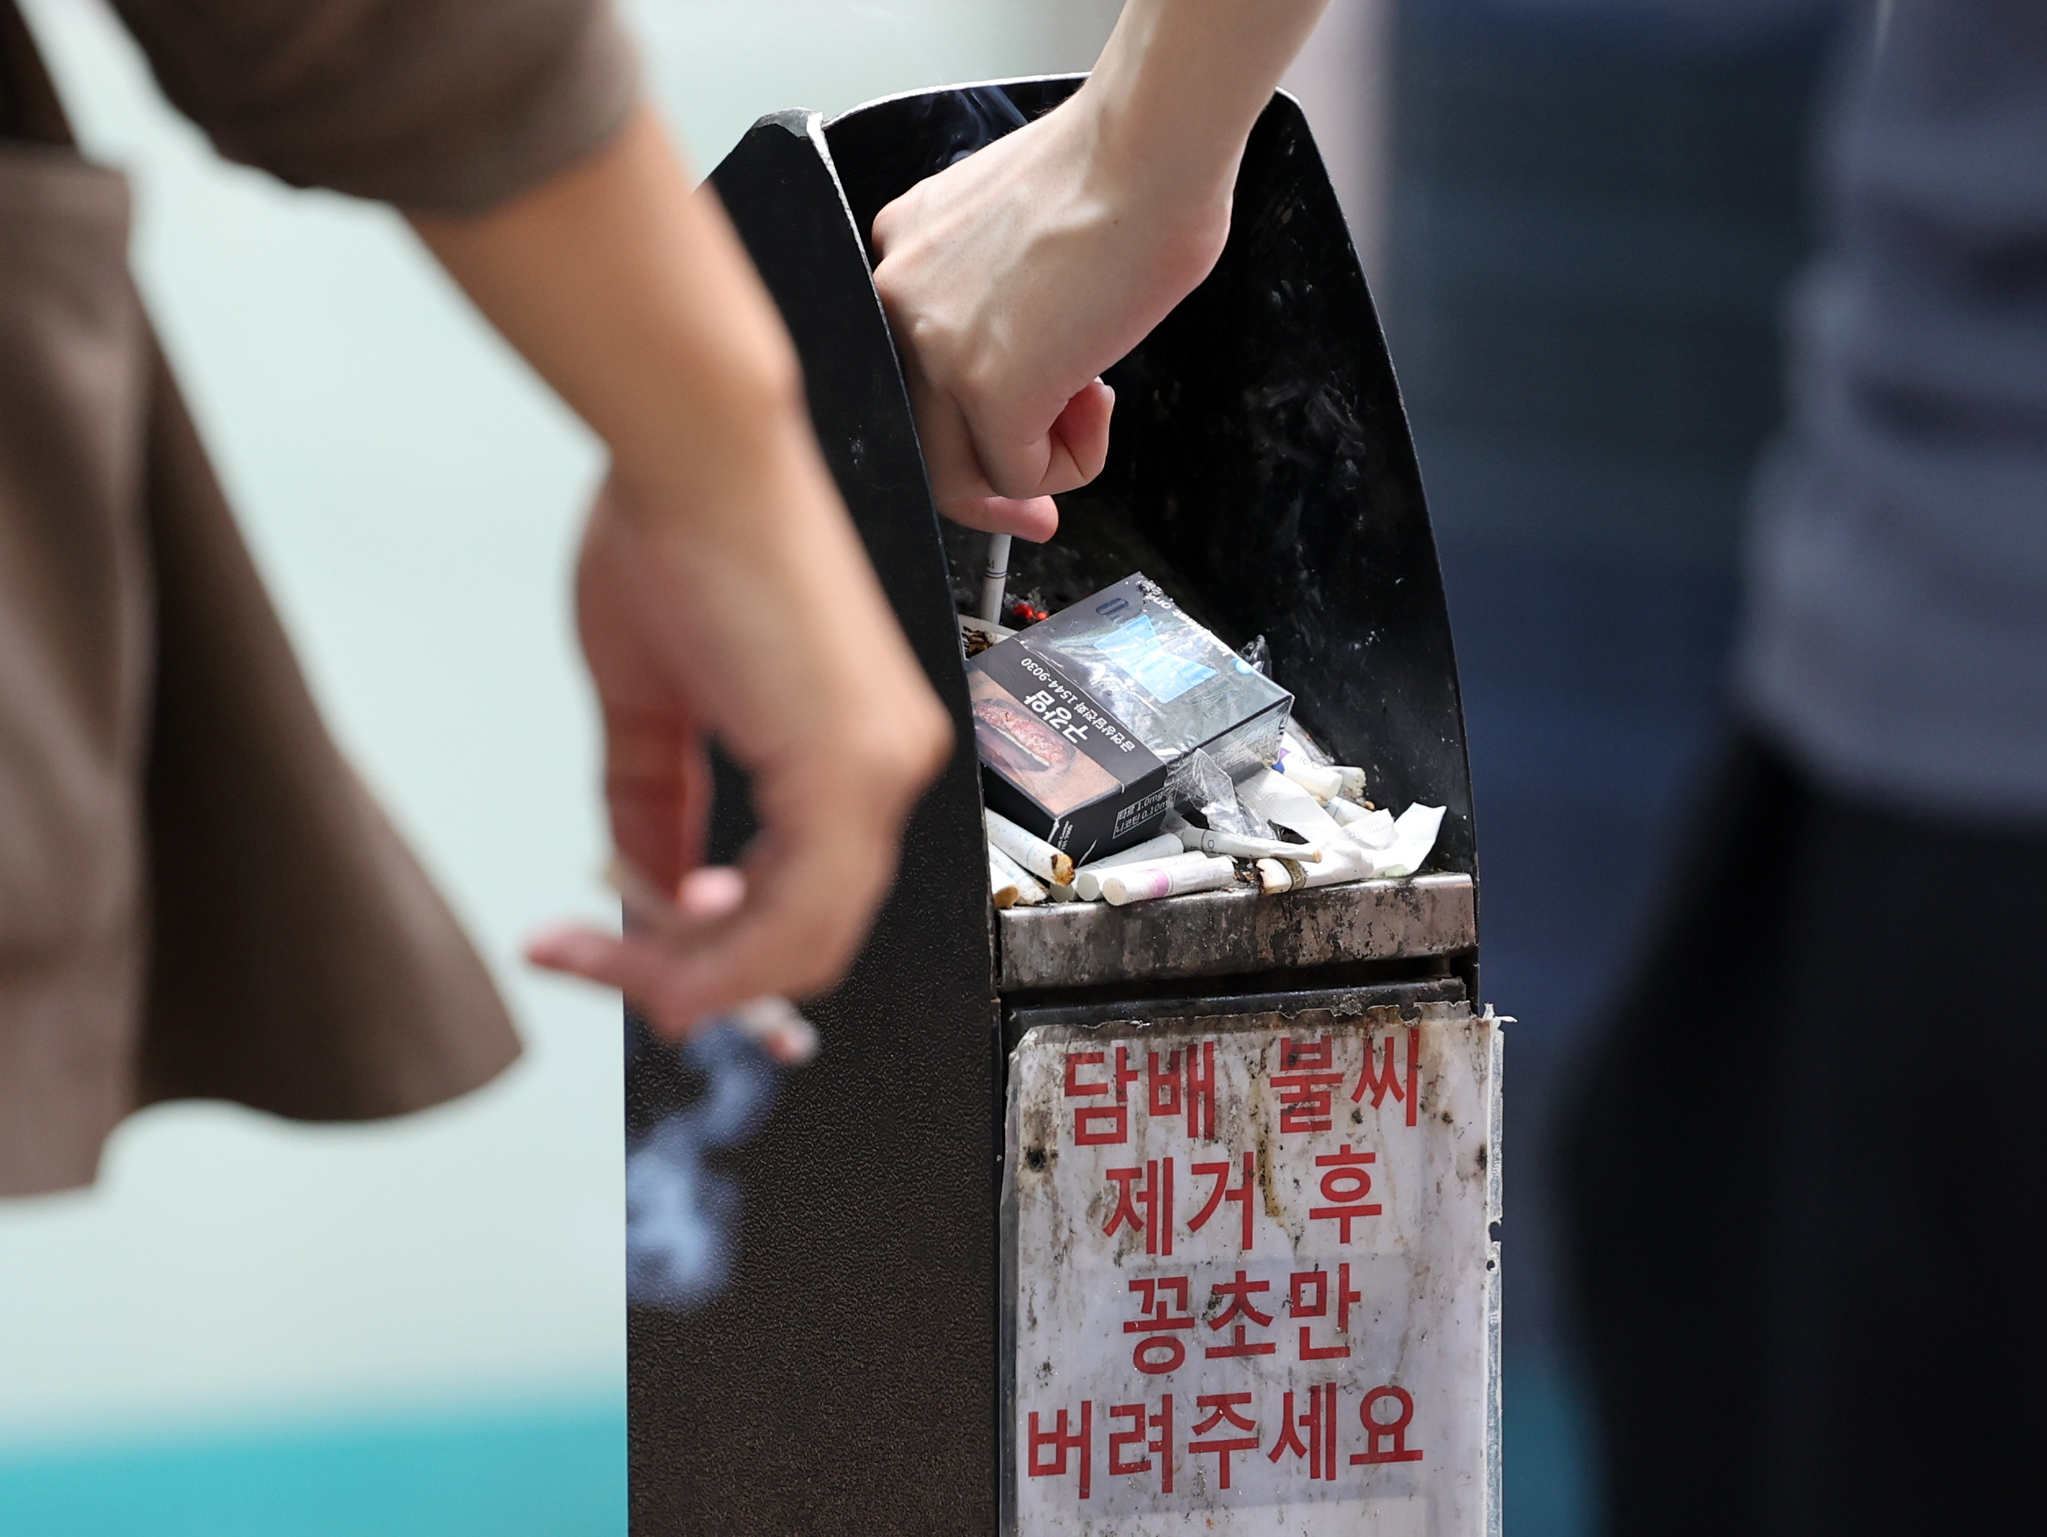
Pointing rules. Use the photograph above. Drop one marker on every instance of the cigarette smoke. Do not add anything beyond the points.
(682, 1215)
(970, 120)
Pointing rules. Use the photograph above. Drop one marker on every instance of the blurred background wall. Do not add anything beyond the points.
(1578, 227)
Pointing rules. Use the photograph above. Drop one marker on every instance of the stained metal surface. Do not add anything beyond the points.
(1217, 933)
(1342, 1002)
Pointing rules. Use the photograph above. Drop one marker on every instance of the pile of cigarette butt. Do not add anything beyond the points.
(1318, 830)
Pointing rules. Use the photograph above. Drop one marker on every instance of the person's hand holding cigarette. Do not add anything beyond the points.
(721, 591)
(1014, 278)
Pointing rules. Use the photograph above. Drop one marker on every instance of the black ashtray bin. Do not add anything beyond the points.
(846, 1378)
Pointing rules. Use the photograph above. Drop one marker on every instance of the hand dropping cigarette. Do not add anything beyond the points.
(1029, 850)
(1029, 893)
(771, 1022)
(1088, 884)
(1145, 883)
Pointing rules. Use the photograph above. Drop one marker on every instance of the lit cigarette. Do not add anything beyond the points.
(1028, 892)
(1145, 883)
(1000, 886)
(775, 1025)
(1206, 840)
(771, 1022)
(1088, 884)
(1030, 851)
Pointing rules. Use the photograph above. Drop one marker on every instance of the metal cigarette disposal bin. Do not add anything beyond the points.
(1175, 1217)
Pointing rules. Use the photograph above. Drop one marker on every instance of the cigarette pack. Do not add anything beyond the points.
(1085, 720)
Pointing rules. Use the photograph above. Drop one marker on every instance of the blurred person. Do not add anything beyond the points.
(1802, 1222)
(1805, 1216)
(196, 896)
(1804, 1219)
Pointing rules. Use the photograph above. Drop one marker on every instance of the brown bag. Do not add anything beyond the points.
(197, 897)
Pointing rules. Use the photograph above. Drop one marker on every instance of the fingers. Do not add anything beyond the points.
(790, 926)
(1035, 457)
(778, 646)
(1035, 518)
(657, 790)
(1081, 432)
(1070, 454)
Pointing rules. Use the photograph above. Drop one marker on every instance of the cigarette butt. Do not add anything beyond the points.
(1090, 890)
(1031, 852)
(1088, 885)
(1028, 892)
(1057, 893)
(1320, 780)
(1161, 843)
(1145, 883)
(1000, 887)
(1206, 840)
(1339, 866)
(1353, 781)
(1277, 875)
(774, 1023)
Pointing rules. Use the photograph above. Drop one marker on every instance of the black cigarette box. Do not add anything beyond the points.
(1087, 721)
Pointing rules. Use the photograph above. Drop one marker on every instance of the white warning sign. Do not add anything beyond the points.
(1255, 1276)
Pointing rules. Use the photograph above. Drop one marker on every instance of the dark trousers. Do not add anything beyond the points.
(1803, 1192)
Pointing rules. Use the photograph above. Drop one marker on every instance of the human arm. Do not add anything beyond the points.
(1014, 278)
(721, 590)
